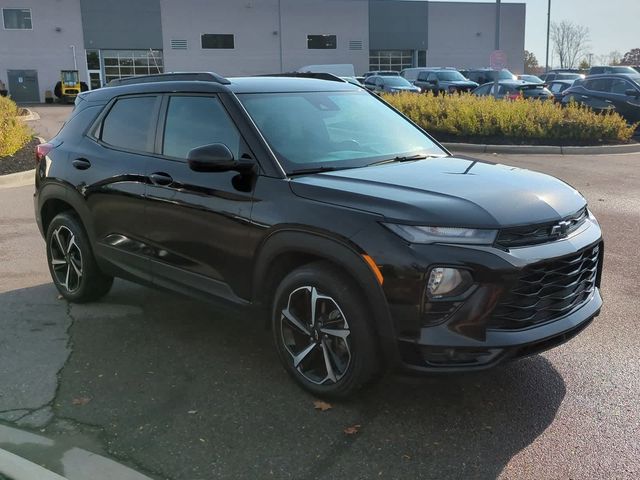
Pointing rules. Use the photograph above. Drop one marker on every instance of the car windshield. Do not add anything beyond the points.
(396, 82)
(505, 75)
(450, 76)
(334, 129)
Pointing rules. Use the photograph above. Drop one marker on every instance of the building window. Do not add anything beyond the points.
(390, 59)
(217, 40)
(131, 63)
(321, 42)
(422, 58)
(17, 18)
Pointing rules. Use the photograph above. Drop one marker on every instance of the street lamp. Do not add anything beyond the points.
(546, 69)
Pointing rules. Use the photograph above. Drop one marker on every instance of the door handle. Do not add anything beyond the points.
(160, 178)
(81, 163)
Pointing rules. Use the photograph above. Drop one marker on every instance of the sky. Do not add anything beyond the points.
(613, 24)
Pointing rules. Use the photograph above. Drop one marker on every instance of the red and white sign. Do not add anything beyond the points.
(498, 60)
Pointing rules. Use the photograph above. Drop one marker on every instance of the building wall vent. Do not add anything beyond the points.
(178, 44)
(355, 44)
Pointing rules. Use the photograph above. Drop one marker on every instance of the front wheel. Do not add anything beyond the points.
(322, 332)
(72, 265)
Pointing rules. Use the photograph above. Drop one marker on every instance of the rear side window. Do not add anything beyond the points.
(196, 121)
(130, 124)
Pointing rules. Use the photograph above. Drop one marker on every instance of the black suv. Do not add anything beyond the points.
(366, 243)
(610, 92)
(443, 81)
(486, 75)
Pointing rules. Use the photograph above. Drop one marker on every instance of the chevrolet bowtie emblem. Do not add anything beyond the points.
(561, 228)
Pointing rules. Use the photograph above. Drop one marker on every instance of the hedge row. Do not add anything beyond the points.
(478, 119)
(14, 134)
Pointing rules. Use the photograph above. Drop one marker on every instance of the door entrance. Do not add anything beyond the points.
(23, 86)
(95, 79)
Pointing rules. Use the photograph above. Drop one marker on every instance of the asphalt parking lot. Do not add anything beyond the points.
(179, 389)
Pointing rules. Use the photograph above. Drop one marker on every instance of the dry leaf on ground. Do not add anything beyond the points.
(322, 406)
(352, 430)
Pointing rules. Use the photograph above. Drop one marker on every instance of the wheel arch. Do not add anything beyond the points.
(57, 198)
(285, 250)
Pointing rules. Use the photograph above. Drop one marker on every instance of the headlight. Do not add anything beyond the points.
(424, 234)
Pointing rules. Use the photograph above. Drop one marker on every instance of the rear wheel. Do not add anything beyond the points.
(321, 331)
(72, 265)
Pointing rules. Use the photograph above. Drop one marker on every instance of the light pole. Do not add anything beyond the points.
(497, 47)
(546, 69)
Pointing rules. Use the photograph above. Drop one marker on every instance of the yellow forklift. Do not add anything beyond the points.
(69, 86)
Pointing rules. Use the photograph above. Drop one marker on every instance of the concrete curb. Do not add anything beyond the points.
(20, 179)
(543, 149)
(30, 116)
(17, 468)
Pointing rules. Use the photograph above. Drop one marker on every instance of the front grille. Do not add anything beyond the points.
(547, 291)
(540, 233)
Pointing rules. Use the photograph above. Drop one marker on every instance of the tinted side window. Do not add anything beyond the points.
(620, 86)
(130, 124)
(483, 90)
(195, 121)
(599, 85)
(432, 77)
(422, 76)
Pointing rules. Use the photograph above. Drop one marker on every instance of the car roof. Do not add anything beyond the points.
(235, 85)
(630, 76)
(287, 84)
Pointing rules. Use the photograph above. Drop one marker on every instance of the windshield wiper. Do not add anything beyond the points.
(324, 168)
(406, 158)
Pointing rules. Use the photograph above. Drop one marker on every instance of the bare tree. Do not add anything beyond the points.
(570, 42)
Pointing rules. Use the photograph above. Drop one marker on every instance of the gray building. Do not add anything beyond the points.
(116, 38)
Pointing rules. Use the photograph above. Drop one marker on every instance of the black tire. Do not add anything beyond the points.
(75, 272)
(353, 358)
(57, 90)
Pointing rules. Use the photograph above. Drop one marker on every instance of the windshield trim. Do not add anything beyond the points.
(359, 162)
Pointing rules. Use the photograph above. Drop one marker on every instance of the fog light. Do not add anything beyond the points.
(443, 281)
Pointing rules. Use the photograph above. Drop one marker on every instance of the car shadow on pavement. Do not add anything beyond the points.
(187, 390)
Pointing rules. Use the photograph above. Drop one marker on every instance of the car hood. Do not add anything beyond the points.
(445, 191)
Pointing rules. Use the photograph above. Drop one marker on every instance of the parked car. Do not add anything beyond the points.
(389, 84)
(514, 89)
(559, 87)
(366, 244)
(382, 73)
(561, 75)
(411, 74)
(609, 92)
(530, 78)
(485, 75)
(600, 69)
(443, 81)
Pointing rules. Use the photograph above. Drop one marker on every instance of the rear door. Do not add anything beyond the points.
(108, 169)
(198, 222)
(596, 94)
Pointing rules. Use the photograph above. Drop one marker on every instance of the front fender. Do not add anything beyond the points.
(340, 252)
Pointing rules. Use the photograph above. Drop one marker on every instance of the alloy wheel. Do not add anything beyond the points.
(66, 259)
(316, 335)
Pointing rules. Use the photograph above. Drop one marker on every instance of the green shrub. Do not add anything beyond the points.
(14, 134)
(468, 117)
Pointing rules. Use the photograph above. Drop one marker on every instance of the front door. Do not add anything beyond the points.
(23, 86)
(198, 221)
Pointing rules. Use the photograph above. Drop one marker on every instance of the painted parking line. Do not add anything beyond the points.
(75, 463)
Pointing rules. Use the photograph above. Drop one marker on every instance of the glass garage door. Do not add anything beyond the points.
(390, 59)
(128, 63)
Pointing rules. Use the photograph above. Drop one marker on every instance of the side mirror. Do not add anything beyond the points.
(632, 93)
(215, 157)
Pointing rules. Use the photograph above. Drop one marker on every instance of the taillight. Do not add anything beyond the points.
(513, 96)
(43, 150)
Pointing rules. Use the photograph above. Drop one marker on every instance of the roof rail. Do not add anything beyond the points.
(171, 77)
(318, 75)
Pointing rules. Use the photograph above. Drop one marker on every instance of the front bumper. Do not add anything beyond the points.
(469, 337)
